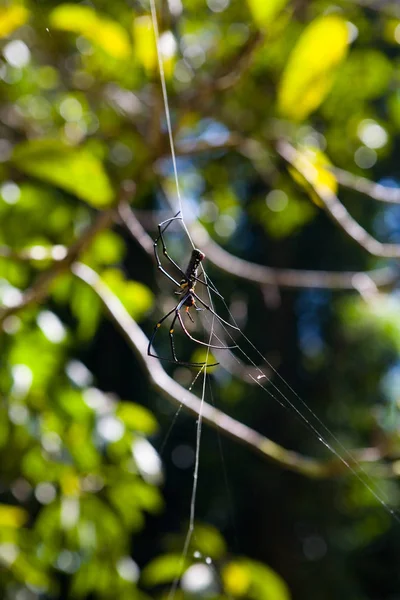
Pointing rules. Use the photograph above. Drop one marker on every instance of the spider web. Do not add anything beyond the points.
(289, 399)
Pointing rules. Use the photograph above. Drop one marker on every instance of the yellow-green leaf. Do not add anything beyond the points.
(308, 75)
(144, 43)
(12, 516)
(164, 569)
(255, 580)
(136, 297)
(84, 20)
(312, 166)
(265, 11)
(12, 17)
(75, 170)
(137, 417)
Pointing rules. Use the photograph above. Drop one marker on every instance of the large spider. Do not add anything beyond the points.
(186, 289)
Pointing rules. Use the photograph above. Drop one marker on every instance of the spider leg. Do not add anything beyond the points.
(213, 311)
(157, 327)
(160, 236)
(189, 315)
(174, 359)
(186, 332)
(183, 363)
(171, 335)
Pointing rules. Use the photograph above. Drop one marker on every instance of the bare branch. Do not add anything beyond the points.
(238, 64)
(334, 207)
(135, 228)
(285, 278)
(178, 395)
(376, 191)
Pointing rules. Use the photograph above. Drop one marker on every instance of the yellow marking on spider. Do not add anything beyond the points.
(171, 331)
(158, 325)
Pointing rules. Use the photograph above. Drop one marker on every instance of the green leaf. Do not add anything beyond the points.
(86, 307)
(164, 569)
(145, 46)
(265, 11)
(84, 20)
(12, 17)
(312, 171)
(12, 516)
(137, 417)
(253, 579)
(135, 296)
(382, 316)
(308, 75)
(75, 170)
(106, 249)
(209, 542)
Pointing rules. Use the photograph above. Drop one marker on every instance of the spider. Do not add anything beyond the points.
(186, 289)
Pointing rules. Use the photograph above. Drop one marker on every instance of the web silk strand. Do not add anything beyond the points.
(167, 113)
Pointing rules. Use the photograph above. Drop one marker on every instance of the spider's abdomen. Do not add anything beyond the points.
(189, 301)
(195, 260)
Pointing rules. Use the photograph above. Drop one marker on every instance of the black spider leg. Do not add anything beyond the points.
(186, 332)
(160, 236)
(174, 360)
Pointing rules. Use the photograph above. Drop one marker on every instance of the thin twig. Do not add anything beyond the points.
(286, 278)
(333, 205)
(178, 395)
(376, 191)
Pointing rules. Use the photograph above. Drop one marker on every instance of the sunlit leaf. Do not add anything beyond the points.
(12, 17)
(135, 296)
(264, 12)
(136, 417)
(283, 211)
(164, 569)
(28, 569)
(74, 170)
(12, 516)
(84, 20)
(209, 541)
(147, 496)
(382, 316)
(72, 404)
(25, 351)
(308, 75)
(86, 307)
(236, 579)
(312, 166)
(106, 249)
(255, 580)
(144, 43)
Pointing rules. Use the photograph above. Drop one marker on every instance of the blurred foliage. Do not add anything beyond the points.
(95, 488)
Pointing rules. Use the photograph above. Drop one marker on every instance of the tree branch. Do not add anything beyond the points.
(178, 395)
(261, 274)
(376, 191)
(333, 205)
